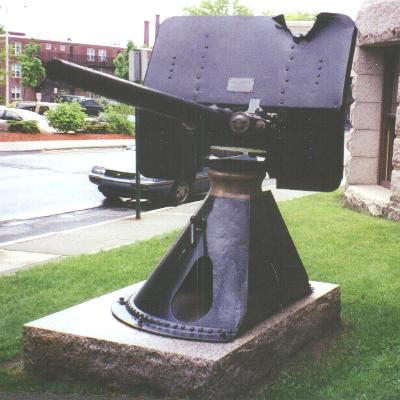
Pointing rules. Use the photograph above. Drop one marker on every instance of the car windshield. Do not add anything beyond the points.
(26, 106)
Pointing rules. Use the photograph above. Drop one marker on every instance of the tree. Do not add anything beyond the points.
(121, 61)
(295, 15)
(32, 70)
(218, 7)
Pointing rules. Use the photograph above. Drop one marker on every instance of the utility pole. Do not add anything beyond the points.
(136, 74)
(7, 61)
(6, 72)
(7, 55)
(230, 7)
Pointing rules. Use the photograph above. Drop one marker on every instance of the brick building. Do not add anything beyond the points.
(94, 56)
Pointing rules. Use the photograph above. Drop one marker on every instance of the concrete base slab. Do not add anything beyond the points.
(87, 342)
(12, 261)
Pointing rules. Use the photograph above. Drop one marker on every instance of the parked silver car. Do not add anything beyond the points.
(121, 182)
(14, 114)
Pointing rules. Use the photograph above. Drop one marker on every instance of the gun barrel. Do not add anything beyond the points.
(134, 94)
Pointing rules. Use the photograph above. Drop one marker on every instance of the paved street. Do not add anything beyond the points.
(36, 184)
(48, 192)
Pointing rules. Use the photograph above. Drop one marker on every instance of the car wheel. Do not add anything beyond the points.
(109, 195)
(181, 191)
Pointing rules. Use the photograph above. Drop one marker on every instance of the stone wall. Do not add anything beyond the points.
(363, 143)
(378, 24)
(394, 206)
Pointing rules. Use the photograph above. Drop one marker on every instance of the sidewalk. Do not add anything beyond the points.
(63, 144)
(21, 254)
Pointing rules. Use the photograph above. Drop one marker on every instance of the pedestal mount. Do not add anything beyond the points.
(233, 266)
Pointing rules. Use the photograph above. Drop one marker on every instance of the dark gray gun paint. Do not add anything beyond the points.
(235, 263)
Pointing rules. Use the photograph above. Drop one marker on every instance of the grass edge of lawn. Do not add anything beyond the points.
(303, 216)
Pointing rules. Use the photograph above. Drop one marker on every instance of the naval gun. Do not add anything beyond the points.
(216, 86)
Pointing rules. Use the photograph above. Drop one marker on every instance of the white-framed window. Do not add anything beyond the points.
(91, 54)
(48, 46)
(90, 95)
(16, 70)
(16, 92)
(62, 47)
(18, 47)
(102, 54)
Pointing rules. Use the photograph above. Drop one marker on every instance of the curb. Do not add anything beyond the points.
(19, 147)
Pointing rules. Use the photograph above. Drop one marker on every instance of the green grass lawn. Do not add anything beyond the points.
(359, 252)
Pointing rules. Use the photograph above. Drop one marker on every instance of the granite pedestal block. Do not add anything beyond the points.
(87, 342)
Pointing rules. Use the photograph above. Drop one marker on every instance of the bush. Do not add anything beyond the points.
(119, 108)
(67, 117)
(23, 126)
(122, 108)
(119, 123)
(116, 117)
(97, 128)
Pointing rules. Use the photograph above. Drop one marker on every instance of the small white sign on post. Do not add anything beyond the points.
(131, 67)
(135, 66)
(38, 96)
(144, 62)
(138, 63)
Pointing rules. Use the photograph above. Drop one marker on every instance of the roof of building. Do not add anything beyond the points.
(22, 35)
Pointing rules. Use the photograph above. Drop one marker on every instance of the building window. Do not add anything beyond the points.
(102, 55)
(48, 46)
(90, 95)
(91, 54)
(62, 47)
(18, 47)
(16, 69)
(16, 92)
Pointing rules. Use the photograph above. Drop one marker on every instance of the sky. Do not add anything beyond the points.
(115, 22)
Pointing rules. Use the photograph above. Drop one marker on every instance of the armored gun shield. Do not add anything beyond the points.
(235, 263)
(228, 61)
